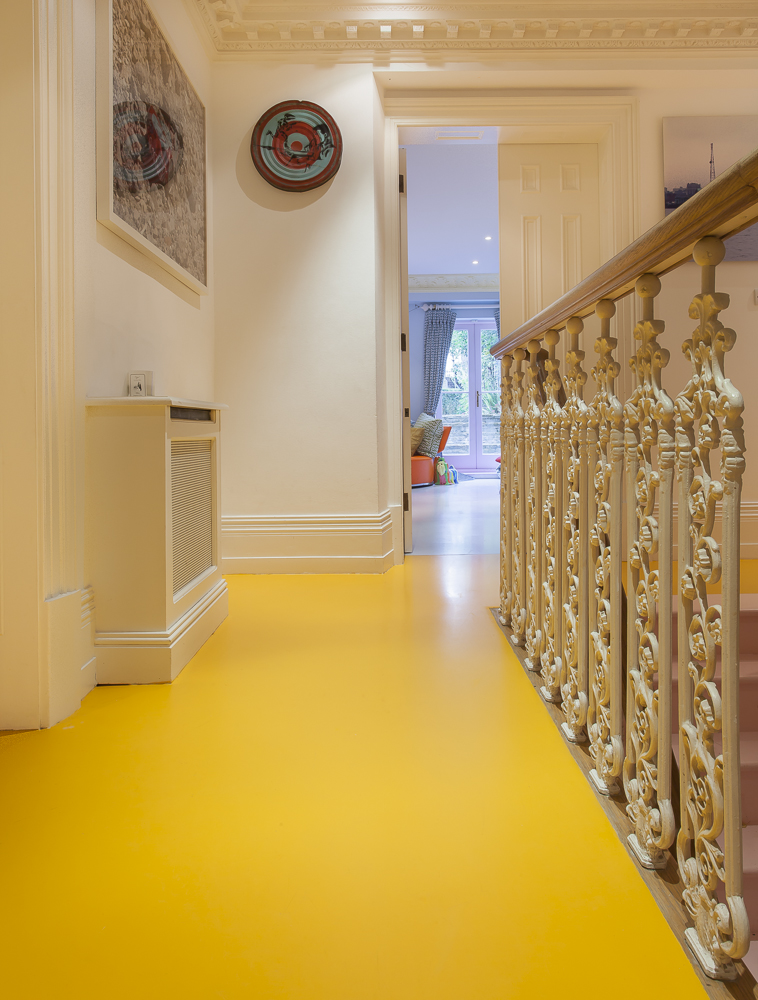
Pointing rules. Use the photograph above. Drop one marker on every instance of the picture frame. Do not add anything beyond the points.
(151, 143)
(696, 149)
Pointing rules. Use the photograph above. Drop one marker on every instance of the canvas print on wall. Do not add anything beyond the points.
(695, 151)
(151, 143)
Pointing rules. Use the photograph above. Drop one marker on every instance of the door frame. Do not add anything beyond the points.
(609, 121)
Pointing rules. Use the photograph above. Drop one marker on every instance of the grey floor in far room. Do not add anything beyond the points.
(457, 520)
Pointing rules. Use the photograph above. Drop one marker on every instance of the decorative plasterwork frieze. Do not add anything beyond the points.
(453, 282)
(238, 27)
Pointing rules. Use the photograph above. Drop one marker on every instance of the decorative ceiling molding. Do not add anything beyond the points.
(238, 26)
(453, 282)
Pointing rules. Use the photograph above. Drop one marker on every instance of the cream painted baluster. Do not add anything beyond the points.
(552, 587)
(518, 457)
(533, 500)
(709, 418)
(576, 484)
(606, 423)
(650, 451)
(506, 489)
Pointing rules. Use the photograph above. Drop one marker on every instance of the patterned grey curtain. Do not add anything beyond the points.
(438, 332)
(497, 320)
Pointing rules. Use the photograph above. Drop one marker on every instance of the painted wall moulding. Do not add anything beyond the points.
(348, 543)
(237, 27)
(453, 282)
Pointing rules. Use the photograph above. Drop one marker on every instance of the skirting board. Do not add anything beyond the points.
(339, 544)
(158, 657)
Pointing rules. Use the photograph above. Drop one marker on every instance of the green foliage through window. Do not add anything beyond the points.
(456, 370)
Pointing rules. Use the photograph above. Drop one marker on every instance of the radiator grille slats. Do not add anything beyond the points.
(191, 510)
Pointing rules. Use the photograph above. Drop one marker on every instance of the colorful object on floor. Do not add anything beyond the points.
(443, 475)
(324, 799)
(422, 466)
(296, 146)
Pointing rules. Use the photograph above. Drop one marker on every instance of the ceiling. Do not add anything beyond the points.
(257, 26)
(452, 208)
(476, 135)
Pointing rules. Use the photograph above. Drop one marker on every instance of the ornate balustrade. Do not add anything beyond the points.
(590, 485)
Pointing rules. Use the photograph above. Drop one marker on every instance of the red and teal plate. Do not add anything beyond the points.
(296, 146)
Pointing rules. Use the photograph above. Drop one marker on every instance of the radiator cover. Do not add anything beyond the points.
(191, 511)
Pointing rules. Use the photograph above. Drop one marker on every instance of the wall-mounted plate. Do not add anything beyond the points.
(296, 146)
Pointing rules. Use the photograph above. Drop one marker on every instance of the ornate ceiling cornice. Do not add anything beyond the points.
(241, 26)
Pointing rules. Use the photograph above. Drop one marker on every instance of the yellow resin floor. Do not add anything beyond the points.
(351, 793)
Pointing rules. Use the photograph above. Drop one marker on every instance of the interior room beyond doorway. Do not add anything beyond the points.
(453, 293)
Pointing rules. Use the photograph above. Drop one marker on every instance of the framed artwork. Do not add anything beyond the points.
(151, 154)
(695, 151)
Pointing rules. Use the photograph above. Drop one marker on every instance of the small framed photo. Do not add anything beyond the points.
(140, 383)
(151, 147)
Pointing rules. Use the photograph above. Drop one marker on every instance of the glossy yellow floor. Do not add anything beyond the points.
(351, 793)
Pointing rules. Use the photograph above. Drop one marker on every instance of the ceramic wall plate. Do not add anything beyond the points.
(296, 146)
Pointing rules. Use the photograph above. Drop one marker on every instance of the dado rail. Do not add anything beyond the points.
(590, 490)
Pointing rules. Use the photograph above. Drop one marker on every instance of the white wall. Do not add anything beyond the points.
(704, 93)
(130, 313)
(21, 638)
(301, 358)
(78, 309)
(299, 314)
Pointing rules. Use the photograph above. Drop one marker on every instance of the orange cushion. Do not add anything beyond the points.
(422, 470)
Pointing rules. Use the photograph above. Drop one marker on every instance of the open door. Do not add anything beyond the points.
(406, 360)
(549, 225)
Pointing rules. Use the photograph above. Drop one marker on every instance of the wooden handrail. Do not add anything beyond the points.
(722, 208)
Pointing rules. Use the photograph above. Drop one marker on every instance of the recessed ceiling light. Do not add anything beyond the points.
(474, 261)
(488, 237)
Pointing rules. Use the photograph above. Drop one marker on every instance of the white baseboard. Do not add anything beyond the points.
(158, 657)
(343, 543)
(87, 635)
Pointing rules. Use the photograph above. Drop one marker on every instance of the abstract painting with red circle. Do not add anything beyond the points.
(151, 152)
(296, 146)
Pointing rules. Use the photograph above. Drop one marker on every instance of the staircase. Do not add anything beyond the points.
(748, 756)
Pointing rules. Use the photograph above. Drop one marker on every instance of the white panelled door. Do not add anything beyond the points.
(549, 224)
(470, 399)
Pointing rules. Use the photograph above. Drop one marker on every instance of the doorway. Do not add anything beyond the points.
(452, 268)
(608, 121)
